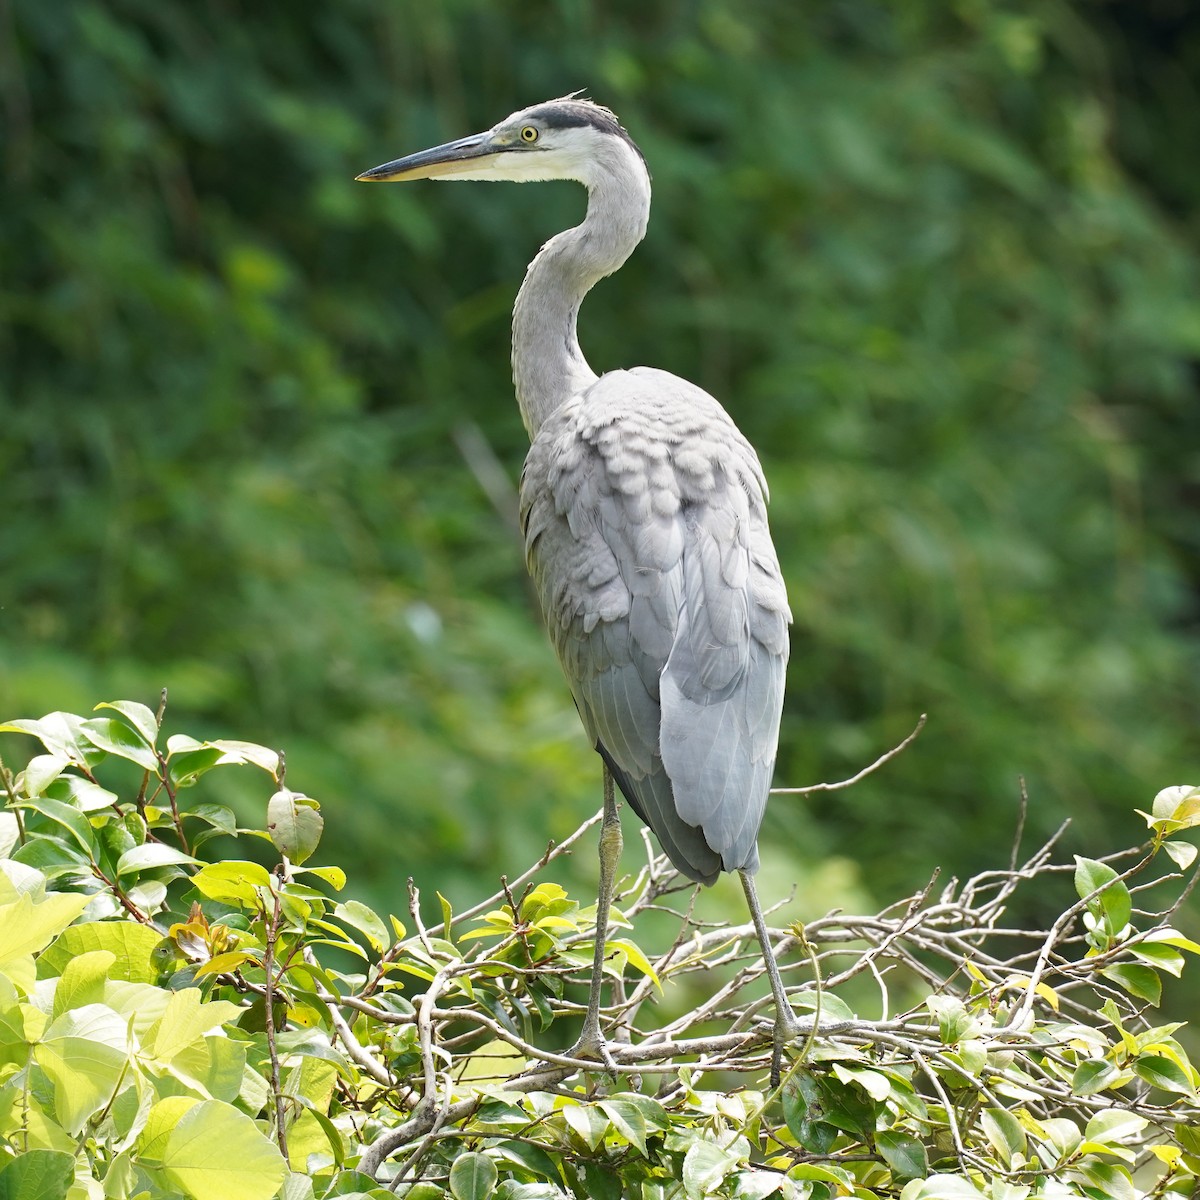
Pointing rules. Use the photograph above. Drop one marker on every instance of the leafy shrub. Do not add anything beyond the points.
(172, 1024)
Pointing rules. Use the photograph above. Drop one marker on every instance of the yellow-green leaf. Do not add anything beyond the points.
(84, 1054)
(82, 981)
(636, 958)
(164, 1116)
(131, 944)
(187, 1019)
(28, 927)
(232, 882)
(218, 1153)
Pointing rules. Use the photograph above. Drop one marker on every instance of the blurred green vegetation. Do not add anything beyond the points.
(939, 260)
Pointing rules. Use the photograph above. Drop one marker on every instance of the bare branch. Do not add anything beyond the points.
(845, 783)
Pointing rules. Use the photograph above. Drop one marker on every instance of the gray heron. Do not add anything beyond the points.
(644, 511)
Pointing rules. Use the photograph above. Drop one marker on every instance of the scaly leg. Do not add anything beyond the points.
(591, 1042)
(787, 1028)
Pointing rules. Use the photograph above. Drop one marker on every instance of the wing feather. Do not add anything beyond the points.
(646, 535)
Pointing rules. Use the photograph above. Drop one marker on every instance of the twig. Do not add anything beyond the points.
(13, 803)
(270, 939)
(553, 851)
(1022, 812)
(845, 783)
(489, 472)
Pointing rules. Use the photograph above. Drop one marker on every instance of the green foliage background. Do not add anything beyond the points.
(939, 261)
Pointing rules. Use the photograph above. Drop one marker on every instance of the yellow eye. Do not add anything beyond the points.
(529, 134)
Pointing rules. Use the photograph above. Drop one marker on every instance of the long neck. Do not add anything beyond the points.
(548, 366)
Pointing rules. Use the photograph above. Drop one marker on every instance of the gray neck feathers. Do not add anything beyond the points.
(548, 366)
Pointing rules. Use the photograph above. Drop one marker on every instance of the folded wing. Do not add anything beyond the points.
(646, 536)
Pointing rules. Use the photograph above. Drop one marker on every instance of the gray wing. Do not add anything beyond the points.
(646, 535)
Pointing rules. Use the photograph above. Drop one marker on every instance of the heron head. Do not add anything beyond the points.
(567, 138)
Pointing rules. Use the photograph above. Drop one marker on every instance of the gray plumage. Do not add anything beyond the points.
(646, 536)
(645, 522)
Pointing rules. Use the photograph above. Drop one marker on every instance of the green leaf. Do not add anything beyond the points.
(1111, 1181)
(653, 1113)
(1090, 875)
(1137, 979)
(295, 824)
(954, 1021)
(80, 793)
(247, 753)
(38, 1175)
(149, 856)
(137, 716)
(756, 1185)
(903, 1153)
(1113, 903)
(1004, 1132)
(1094, 1075)
(61, 734)
(601, 1183)
(838, 1176)
(447, 915)
(298, 1186)
(588, 1122)
(705, 1167)
(218, 816)
(132, 944)
(186, 765)
(529, 1158)
(42, 770)
(1062, 1135)
(214, 1065)
(1183, 854)
(227, 961)
(1179, 804)
(1171, 937)
(473, 1177)
(874, 1083)
(67, 816)
(627, 1119)
(1161, 1072)
(1114, 1125)
(10, 834)
(368, 922)
(117, 738)
(1160, 956)
(804, 1112)
(218, 1153)
(942, 1187)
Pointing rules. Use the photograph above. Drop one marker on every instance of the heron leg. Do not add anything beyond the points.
(787, 1028)
(591, 1041)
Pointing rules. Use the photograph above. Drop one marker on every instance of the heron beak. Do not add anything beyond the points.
(467, 156)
